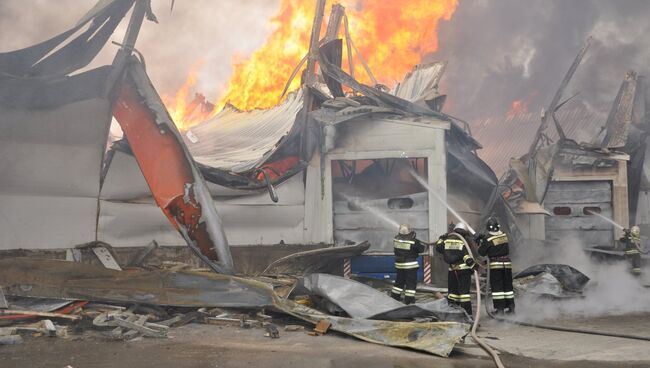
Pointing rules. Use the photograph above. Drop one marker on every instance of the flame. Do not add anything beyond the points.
(518, 107)
(391, 35)
(185, 110)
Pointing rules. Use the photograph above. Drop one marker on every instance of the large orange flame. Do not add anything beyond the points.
(391, 35)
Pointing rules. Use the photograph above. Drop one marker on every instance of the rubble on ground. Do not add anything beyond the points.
(134, 304)
(552, 280)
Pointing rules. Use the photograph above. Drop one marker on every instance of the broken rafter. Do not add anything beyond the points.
(356, 51)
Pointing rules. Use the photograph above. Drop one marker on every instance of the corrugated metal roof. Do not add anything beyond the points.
(421, 82)
(511, 137)
(239, 141)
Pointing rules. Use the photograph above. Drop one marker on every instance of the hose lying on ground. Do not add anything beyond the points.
(477, 314)
(547, 327)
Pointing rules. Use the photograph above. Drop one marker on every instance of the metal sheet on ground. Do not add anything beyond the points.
(362, 301)
(69, 280)
(303, 263)
(436, 338)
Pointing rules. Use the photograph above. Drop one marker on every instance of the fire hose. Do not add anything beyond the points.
(477, 314)
(542, 326)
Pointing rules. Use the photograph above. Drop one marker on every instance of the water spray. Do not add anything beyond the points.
(606, 219)
(373, 210)
(483, 345)
(444, 202)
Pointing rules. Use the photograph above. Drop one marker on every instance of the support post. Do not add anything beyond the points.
(310, 79)
(334, 22)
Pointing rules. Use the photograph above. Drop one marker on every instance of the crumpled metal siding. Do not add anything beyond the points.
(69, 280)
(420, 83)
(620, 117)
(240, 141)
(437, 338)
(511, 137)
(362, 301)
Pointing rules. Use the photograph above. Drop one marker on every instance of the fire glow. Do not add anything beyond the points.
(391, 35)
(518, 107)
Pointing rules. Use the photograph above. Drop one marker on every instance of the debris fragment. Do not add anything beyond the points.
(125, 322)
(555, 280)
(49, 327)
(8, 312)
(3, 300)
(321, 327)
(11, 340)
(271, 331)
(139, 259)
(294, 328)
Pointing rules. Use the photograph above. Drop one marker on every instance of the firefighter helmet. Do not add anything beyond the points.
(461, 226)
(493, 225)
(635, 231)
(405, 229)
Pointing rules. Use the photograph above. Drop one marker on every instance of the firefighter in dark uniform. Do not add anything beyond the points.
(632, 243)
(461, 264)
(406, 248)
(495, 246)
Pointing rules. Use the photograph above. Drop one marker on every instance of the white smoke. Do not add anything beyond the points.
(612, 290)
(213, 32)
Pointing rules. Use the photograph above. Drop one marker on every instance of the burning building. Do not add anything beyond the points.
(328, 165)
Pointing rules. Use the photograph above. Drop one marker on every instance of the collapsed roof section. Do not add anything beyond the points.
(238, 141)
(578, 122)
(623, 137)
(239, 150)
(253, 150)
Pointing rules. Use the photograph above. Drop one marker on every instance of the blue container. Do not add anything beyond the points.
(379, 267)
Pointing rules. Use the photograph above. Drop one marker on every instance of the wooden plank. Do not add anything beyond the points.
(3, 301)
(579, 192)
(6, 312)
(580, 185)
(584, 196)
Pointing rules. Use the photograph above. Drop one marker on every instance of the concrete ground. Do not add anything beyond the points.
(538, 343)
(214, 346)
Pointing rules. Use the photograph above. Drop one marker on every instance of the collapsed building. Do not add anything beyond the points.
(273, 175)
(579, 165)
(325, 175)
(323, 167)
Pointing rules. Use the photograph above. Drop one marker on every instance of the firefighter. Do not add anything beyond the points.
(495, 246)
(406, 248)
(632, 242)
(461, 264)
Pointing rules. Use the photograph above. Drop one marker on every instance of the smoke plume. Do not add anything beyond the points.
(211, 33)
(612, 290)
(508, 50)
(498, 51)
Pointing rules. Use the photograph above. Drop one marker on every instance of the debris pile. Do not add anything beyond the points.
(129, 305)
(550, 280)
